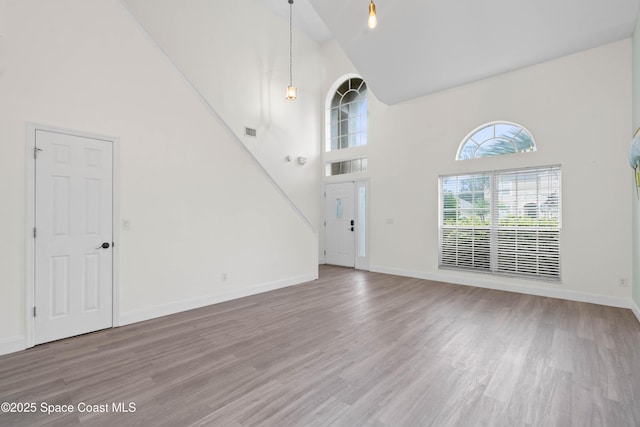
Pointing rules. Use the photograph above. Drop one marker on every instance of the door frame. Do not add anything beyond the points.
(31, 129)
(360, 263)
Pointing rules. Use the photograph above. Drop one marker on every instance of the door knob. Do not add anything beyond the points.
(105, 245)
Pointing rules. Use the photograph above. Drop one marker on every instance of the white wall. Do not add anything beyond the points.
(578, 109)
(198, 204)
(237, 55)
(636, 203)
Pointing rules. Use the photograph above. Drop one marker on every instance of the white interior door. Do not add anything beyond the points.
(74, 235)
(340, 224)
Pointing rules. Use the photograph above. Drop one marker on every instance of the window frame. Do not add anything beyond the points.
(470, 135)
(361, 135)
(357, 165)
(489, 262)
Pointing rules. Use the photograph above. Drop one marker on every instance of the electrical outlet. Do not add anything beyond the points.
(126, 225)
(623, 282)
(223, 276)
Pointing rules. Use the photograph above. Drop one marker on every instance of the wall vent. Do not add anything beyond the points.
(250, 132)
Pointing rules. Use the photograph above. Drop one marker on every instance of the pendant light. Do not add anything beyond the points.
(373, 21)
(292, 92)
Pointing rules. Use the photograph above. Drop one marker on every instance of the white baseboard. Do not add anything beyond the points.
(635, 309)
(143, 314)
(521, 289)
(11, 345)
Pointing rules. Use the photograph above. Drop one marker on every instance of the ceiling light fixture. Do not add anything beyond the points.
(292, 92)
(373, 21)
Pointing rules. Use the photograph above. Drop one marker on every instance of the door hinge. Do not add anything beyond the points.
(35, 152)
(34, 311)
(325, 252)
(34, 232)
(325, 223)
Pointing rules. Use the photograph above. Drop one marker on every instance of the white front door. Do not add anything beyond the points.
(340, 224)
(73, 235)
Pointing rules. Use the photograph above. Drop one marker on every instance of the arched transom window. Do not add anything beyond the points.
(349, 115)
(496, 139)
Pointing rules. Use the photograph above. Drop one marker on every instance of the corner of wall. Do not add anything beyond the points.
(635, 119)
(635, 309)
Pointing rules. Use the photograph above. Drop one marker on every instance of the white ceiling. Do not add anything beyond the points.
(424, 46)
(305, 18)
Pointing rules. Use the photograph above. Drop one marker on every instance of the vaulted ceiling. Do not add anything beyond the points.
(424, 46)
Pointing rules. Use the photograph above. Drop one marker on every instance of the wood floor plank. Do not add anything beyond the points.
(350, 349)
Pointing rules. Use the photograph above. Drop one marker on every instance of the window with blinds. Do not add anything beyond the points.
(503, 222)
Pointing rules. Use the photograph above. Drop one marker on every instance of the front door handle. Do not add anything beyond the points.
(105, 245)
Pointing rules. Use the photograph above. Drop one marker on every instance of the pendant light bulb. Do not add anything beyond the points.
(292, 92)
(373, 21)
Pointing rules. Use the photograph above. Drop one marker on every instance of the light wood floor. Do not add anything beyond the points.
(351, 349)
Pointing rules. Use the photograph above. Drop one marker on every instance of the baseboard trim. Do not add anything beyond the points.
(12, 345)
(143, 314)
(635, 309)
(521, 289)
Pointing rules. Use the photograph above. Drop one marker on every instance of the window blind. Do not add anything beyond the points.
(504, 222)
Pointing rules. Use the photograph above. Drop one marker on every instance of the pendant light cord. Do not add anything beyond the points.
(290, 42)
